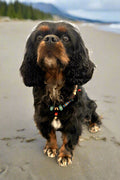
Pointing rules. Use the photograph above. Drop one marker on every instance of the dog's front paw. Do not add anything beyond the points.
(64, 161)
(50, 152)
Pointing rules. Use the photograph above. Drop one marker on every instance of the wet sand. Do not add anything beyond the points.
(21, 147)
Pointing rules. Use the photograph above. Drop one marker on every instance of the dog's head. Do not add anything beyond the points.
(56, 45)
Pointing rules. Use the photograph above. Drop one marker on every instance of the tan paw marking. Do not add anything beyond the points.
(64, 161)
(50, 152)
(93, 128)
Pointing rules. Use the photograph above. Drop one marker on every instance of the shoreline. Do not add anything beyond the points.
(106, 27)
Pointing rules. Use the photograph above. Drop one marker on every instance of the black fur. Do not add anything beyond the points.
(78, 72)
(31, 72)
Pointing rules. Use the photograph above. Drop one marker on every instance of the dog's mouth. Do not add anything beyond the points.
(51, 53)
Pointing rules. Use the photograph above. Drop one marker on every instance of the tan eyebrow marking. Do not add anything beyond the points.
(62, 28)
(44, 28)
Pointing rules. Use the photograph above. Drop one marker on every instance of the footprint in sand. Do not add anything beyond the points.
(3, 170)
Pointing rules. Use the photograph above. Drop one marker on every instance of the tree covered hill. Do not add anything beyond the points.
(22, 11)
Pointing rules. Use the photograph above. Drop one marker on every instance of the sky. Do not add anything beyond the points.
(81, 4)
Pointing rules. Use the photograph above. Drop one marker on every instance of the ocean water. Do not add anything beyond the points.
(111, 28)
(112, 18)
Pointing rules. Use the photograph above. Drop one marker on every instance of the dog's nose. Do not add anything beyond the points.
(51, 39)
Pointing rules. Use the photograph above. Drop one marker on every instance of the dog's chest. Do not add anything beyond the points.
(56, 123)
(54, 82)
(54, 93)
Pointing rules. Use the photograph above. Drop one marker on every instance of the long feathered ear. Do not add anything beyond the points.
(30, 71)
(80, 68)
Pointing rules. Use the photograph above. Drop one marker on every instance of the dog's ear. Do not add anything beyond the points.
(80, 68)
(30, 71)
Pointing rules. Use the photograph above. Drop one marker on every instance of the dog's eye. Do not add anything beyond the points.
(65, 38)
(39, 38)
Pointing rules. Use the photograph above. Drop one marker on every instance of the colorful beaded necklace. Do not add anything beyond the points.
(61, 107)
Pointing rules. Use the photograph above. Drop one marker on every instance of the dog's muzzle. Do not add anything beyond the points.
(51, 53)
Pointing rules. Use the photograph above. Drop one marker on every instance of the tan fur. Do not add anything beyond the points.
(62, 28)
(56, 51)
(44, 28)
(55, 81)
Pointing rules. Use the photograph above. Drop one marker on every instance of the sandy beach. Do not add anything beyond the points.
(21, 147)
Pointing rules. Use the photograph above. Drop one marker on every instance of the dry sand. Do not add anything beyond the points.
(21, 155)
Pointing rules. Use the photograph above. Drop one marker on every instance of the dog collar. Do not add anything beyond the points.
(61, 107)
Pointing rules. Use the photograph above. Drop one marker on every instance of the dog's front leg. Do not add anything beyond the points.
(70, 140)
(49, 134)
(51, 145)
(65, 155)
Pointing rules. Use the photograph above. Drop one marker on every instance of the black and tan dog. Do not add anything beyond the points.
(56, 63)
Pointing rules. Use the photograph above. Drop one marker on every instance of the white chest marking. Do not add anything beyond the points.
(56, 123)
